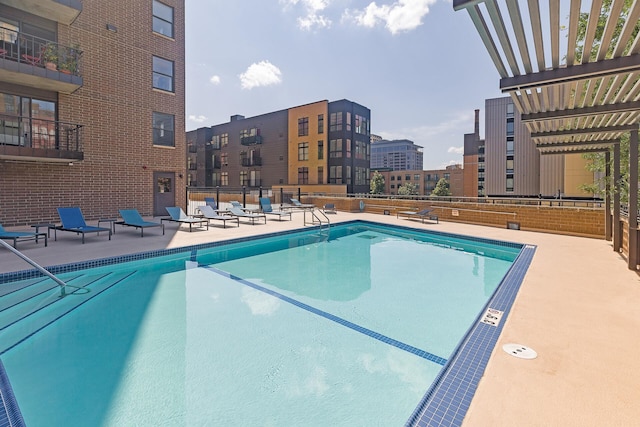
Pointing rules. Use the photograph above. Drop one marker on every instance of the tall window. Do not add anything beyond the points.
(320, 123)
(244, 178)
(224, 139)
(509, 182)
(303, 175)
(509, 145)
(215, 179)
(348, 147)
(320, 175)
(348, 124)
(509, 110)
(362, 125)
(303, 126)
(335, 121)
(303, 151)
(224, 178)
(162, 19)
(509, 164)
(335, 175)
(320, 150)
(335, 148)
(509, 127)
(163, 132)
(224, 159)
(162, 74)
(348, 175)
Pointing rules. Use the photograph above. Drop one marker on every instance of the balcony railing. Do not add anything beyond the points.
(193, 149)
(22, 136)
(250, 140)
(256, 161)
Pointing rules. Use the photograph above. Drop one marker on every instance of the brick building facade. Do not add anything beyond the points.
(106, 136)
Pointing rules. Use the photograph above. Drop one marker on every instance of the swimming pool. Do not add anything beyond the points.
(346, 329)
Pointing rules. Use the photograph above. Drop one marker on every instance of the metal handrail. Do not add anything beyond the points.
(37, 266)
(34, 132)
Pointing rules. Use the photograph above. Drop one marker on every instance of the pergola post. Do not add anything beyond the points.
(633, 200)
(616, 198)
(607, 196)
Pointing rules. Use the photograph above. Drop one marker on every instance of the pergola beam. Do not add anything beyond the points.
(572, 132)
(576, 151)
(581, 112)
(590, 70)
(605, 142)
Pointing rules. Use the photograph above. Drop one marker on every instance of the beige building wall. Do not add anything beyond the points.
(470, 176)
(551, 174)
(575, 175)
(316, 138)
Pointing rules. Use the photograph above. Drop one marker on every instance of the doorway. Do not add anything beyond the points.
(164, 192)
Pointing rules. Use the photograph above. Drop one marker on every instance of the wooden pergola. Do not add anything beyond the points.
(578, 92)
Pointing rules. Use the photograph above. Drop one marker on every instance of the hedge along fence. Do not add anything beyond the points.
(577, 221)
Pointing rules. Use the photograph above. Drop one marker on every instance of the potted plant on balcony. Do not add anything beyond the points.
(50, 56)
(69, 61)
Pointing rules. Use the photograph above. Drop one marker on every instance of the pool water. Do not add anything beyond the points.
(303, 330)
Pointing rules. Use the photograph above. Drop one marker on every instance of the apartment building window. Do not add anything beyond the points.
(510, 183)
(509, 110)
(399, 178)
(509, 145)
(303, 175)
(215, 179)
(335, 148)
(303, 126)
(224, 139)
(348, 177)
(162, 19)
(348, 124)
(509, 127)
(244, 178)
(303, 151)
(224, 159)
(361, 151)
(335, 175)
(320, 150)
(163, 132)
(393, 177)
(416, 177)
(361, 176)
(509, 164)
(254, 179)
(162, 74)
(362, 125)
(348, 148)
(335, 121)
(320, 123)
(407, 177)
(320, 175)
(393, 186)
(224, 179)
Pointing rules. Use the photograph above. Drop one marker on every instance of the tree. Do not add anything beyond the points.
(408, 189)
(377, 183)
(442, 188)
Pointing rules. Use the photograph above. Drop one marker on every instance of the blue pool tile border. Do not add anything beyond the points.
(372, 334)
(449, 397)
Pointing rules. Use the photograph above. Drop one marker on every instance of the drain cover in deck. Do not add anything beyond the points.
(521, 351)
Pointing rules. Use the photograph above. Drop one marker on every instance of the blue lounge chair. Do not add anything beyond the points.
(132, 218)
(238, 212)
(21, 235)
(178, 215)
(265, 205)
(73, 220)
(296, 204)
(210, 201)
(209, 213)
(424, 213)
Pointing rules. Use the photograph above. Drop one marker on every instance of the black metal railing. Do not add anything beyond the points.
(38, 52)
(39, 133)
(256, 161)
(251, 140)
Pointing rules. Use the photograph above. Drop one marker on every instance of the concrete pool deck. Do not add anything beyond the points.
(578, 307)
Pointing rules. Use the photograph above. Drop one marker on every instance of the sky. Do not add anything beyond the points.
(420, 67)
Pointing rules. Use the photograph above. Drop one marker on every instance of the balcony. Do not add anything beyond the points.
(25, 138)
(193, 149)
(256, 161)
(63, 11)
(251, 140)
(35, 62)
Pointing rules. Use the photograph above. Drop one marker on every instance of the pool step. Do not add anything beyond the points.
(26, 290)
(26, 317)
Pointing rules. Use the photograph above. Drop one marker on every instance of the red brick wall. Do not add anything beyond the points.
(115, 107)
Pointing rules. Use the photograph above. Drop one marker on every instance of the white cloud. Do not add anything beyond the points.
(456, 150)
(215, 80)
(259, 303)
(403, 15)
(197, 119)
(263, 73)
(312, 13)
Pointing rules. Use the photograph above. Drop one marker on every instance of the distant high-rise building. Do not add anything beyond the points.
(399, 154)
(321, 143)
